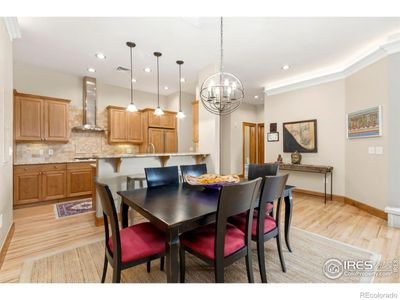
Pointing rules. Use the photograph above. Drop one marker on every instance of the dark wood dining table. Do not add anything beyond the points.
(176, 209)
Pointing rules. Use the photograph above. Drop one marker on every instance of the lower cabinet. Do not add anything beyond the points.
(46, 182)
(79, 180)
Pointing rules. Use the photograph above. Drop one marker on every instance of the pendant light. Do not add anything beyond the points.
(222, 93)
(131, 107)
(180, 114)
(158, 111)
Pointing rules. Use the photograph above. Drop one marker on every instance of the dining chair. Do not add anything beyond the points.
(193, 170)
(262, 170)
(265, 226)
(128, 247)
(161, 176)
(220, 244)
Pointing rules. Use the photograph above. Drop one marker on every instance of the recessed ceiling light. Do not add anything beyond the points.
(285, 67)
(182, 79)
(166, 88)
(91, 70)
(147, 70)
(100, 55)
(133, 80)
(255, 97)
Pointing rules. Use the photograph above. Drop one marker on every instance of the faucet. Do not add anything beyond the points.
(152, 147)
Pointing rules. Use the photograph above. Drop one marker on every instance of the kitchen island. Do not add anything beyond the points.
(114, 169)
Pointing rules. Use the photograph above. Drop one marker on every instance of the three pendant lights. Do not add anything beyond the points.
(158, 111)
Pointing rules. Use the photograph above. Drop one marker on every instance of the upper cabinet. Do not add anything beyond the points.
(195, 120)
(124, 126)
(39, 118)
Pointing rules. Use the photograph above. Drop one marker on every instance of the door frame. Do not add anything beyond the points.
(254, 125)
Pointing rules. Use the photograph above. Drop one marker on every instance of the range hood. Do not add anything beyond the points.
(89, 106)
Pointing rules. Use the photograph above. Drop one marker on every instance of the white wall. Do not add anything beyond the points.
(6, 129)
(36, 80)
(326, 103)
(366, 174)
(185, 125)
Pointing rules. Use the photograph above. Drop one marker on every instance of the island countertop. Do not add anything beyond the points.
(101, 156)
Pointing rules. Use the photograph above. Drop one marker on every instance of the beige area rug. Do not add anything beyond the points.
(304, 265)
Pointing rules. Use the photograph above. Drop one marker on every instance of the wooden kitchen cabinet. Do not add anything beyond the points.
(56, 121)
(160, 131)
(164, 140)
(195, 120)
(40, 118)
(124, 126)
(79, 180)
(53, 185)
(27, 186)
(46, 182)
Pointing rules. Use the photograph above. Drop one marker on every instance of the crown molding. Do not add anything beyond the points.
(12, 27)
(307, 80)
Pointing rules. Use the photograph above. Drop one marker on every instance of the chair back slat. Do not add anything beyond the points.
(271, 190)
(233, 200)
(262, 170)
(161, 176)
(110, 218)
(193, 170)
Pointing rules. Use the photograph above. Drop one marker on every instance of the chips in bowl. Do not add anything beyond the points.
(212, 179)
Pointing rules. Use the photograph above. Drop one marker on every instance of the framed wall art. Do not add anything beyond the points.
(364, 123)
(300, 136)
(273, 136)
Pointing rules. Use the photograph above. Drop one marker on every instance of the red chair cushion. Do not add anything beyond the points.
(139, 241)
(202, 240)
(268, 208)
(240, 222)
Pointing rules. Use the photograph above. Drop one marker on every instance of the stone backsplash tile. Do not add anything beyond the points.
(81, 144)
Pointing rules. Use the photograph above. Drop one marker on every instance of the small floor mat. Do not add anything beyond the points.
(72, 208)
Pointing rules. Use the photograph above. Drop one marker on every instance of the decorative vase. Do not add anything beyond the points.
(279, 159)
(296, 158)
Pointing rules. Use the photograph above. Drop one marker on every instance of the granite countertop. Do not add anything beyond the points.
(148, 155)
(19, 163)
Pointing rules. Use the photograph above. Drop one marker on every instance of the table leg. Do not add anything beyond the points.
(172, 251)
(124, 214)
(331, 185)
(288, 218)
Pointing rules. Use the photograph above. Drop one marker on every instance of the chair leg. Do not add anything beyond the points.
(281, 258)
(117, 274)
(148, 266)
(219, 273)
(103, 277)
(261, 259)
(182, 264)
(249, 267)
(162, 264)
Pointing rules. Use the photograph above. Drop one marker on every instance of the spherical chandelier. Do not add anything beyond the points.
(222, 93)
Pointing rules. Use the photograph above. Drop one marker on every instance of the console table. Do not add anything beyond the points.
(311, 169)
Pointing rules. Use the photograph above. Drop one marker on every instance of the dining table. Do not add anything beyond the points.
(179, 208)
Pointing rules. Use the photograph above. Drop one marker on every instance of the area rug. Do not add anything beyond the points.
(306, 264)
(72, 208)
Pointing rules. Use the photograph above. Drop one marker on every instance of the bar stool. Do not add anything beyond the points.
(132, 179)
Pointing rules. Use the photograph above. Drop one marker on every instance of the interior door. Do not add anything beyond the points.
(260, 143)
(170, 141)
(156, 137)
(249, 145)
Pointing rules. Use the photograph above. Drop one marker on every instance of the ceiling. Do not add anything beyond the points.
(255, 48)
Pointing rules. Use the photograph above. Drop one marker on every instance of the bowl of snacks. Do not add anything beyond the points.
(212, 180)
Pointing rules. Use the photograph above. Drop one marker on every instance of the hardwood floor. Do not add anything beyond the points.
(38, 232)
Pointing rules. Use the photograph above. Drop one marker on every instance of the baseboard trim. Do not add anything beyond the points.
(369, 209)
(6, 244)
